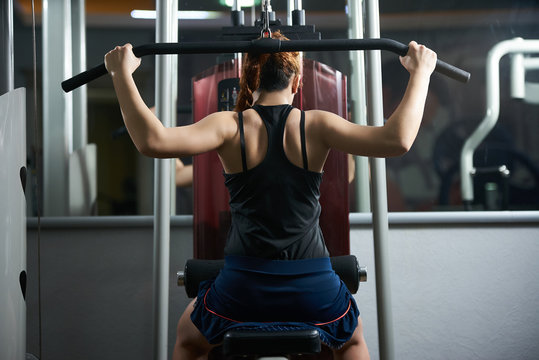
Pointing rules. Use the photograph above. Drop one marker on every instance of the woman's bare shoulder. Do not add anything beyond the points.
(322, 117)
(226, 121)
(223, 115)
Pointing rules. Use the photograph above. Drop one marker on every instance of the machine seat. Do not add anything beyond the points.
(271, 343)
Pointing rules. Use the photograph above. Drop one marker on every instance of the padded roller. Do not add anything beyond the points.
(199, 270)
(347, 267)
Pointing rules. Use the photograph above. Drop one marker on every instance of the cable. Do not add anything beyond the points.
(266, 31)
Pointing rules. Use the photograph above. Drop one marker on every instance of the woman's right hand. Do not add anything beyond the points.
(122, 60)
(419, 59)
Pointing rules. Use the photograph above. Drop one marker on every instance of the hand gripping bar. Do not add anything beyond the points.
(264, 46)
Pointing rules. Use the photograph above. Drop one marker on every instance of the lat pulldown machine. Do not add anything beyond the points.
(241, 39)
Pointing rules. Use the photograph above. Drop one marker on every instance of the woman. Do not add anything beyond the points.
(277, 270)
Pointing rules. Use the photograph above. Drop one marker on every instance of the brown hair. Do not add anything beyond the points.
(270, 72)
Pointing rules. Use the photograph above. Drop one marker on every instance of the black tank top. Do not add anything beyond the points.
(275, 205)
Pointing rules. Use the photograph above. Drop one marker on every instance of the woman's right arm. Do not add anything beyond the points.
(400, 130)
(148, 133)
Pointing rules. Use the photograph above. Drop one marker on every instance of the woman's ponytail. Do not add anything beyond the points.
(275, 76)
(250, 79)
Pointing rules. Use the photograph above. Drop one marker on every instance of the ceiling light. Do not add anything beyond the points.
(182, 15)
(241, 3)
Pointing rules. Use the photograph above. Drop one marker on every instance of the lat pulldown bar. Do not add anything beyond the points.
(264, 46)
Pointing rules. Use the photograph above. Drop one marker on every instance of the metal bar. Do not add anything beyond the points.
(453, 218)
(379, 192)
(501, 49)
(265, 46)
(401, 218)
(6, 47)
(165, 92)
(80, 103)
(57, 106)
(359, 105)
(107, 222)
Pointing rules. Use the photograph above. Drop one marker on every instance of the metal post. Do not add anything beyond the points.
(165, 100)
(379, 191)
(80, 103)
(57, 106)
(359, 105)
(6, 47)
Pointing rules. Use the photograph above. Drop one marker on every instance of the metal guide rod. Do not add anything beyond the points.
(165, 100)
(266, 10)
(359, 106)
(379, 192)
(237, 15)
(298, 14)
(265, 46)
(80, 103)
(57, 113)
(6, 47)
(289, 8)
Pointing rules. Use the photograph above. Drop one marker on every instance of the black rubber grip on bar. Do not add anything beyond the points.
(84, 78)
(264, 46)
(441, 66)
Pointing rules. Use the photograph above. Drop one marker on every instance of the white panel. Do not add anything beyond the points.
(12, 225)
(459, 291)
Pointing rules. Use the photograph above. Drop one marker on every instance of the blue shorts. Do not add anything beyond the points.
(261, 294)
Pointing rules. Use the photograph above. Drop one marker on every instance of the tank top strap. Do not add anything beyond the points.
(303, 141)
(242, 142)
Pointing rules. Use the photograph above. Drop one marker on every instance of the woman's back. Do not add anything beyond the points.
(273, 198)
